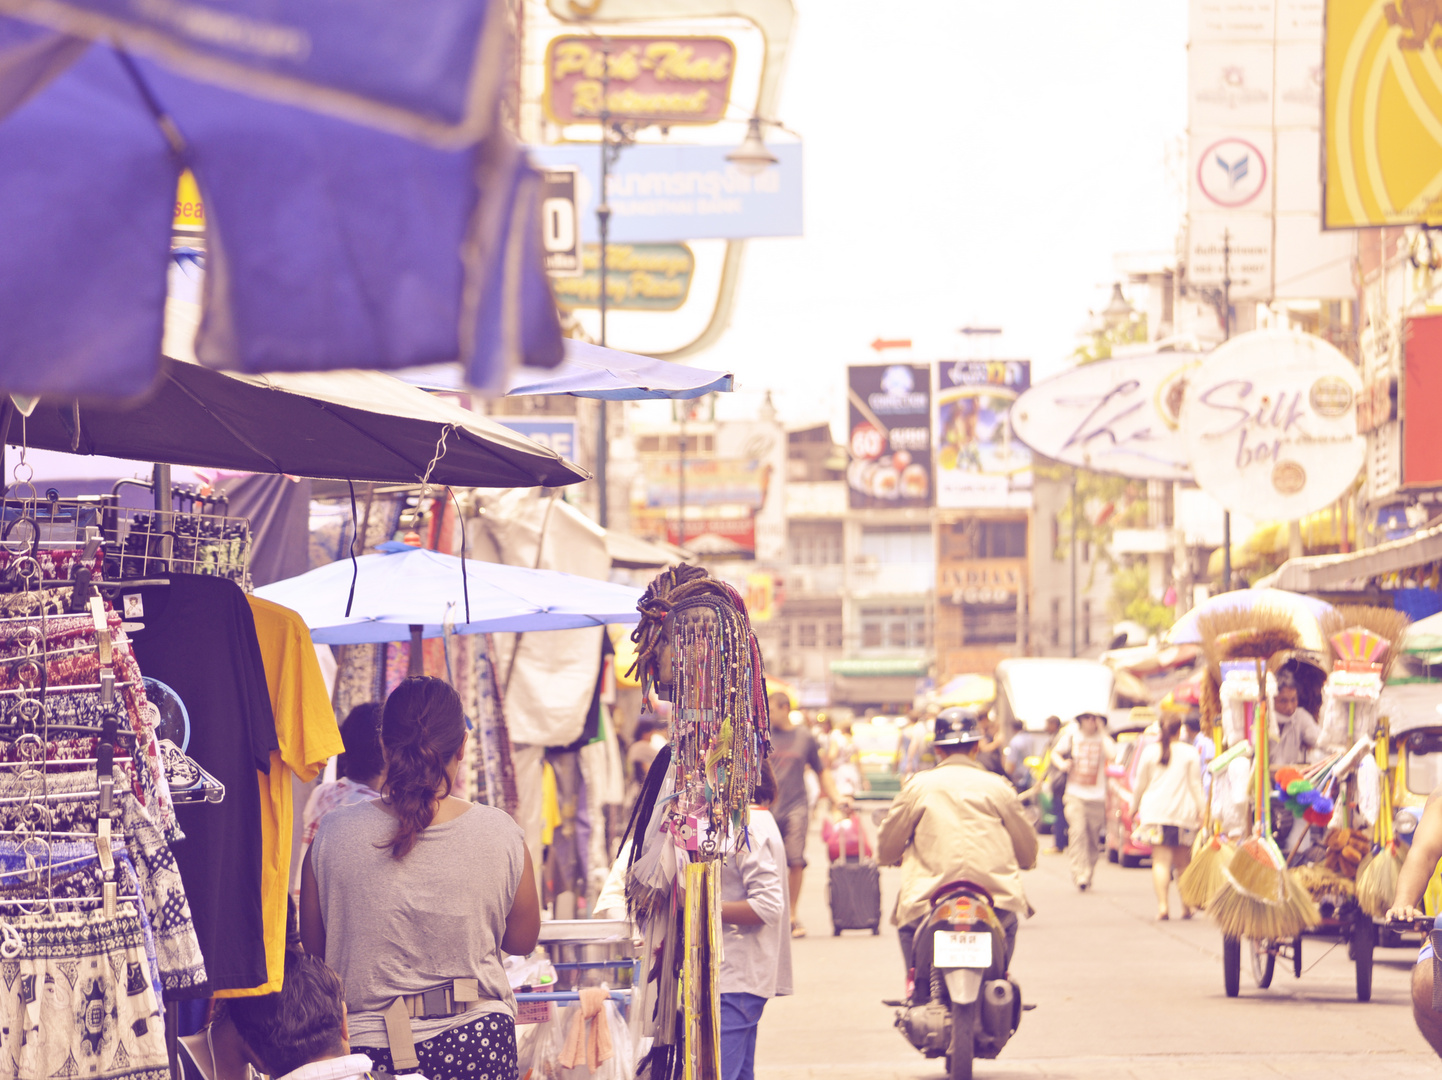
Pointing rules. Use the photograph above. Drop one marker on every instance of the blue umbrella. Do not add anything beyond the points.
(401, 587)
(591, 371)
(329, 244)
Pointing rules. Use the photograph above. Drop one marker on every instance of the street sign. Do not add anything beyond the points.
(560, 234)
(666, 80)
(639, 277)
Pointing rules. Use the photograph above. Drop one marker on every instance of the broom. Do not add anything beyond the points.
(1377, 876)
(1258, 898)
(1201, 879)
(1388, 624)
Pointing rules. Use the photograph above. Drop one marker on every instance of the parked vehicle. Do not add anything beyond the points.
(1414, 730)
(878, 752)
(963, 1004)
(1121, 782)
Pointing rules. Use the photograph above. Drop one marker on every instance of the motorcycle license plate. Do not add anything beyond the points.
(961, 949)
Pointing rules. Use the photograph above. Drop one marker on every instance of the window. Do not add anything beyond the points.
(1055, 621)
(816, 544)
(835, 635)
(981, 539)
(806, 635)
(988, 624)
(898, 626)
(892, 544)
(1086, 621)
(783, 634)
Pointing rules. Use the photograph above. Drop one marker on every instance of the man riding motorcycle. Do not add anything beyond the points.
(954, 821)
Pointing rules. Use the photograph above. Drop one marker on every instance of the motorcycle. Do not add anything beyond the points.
(963, 1005)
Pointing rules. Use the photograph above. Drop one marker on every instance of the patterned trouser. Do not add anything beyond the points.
(78, 1000)
(482, 1049)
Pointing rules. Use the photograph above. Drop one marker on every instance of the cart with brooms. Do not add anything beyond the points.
(1266, 900)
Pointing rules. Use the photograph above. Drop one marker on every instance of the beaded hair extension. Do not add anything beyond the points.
(720, 720)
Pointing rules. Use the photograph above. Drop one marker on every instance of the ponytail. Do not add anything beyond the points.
(423, 728)
(1170, 726)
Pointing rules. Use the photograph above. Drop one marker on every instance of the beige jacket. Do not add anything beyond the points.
(957, 821)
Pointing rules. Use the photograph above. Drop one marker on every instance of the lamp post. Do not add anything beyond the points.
(1075, 521)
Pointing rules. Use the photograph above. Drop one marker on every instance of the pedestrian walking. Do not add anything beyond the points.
(412, 897)
(1168, 804)
(793, 751)
(360, 770)
(755, 917)
(1082, 753)
(1056, 778)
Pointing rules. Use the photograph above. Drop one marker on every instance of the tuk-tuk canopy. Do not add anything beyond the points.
(1411, 706)
(1030, 689)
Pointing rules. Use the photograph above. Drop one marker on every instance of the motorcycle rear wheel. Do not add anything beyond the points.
(963, 1040)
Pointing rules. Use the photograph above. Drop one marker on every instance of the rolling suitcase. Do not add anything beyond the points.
(854, 892)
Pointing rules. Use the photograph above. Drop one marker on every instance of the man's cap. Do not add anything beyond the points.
(1094, 715)
(957, 726)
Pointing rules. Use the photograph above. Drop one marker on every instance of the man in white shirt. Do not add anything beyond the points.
(756, 934)
(1082, 752)
(300, 1033)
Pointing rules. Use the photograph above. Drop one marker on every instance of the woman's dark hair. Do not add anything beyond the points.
(1170, 726)
(765, 785)
(423, 728)
(361, 733)
(299, 1024)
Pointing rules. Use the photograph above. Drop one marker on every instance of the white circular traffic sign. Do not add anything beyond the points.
(1232, 172)
(1270, 424)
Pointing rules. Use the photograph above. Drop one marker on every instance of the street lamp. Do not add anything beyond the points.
(1118, 311)
(752, 157)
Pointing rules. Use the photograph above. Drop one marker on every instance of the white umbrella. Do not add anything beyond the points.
(403, 587)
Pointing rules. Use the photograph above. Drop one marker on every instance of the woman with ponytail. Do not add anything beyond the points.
(1168, 804)
(413, 897)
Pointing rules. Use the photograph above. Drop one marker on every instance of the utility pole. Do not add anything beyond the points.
(682, 407)
(1075, 524)
(603, 221)
(1226, 336)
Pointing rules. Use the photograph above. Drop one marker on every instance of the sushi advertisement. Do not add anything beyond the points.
(980, 463)
(890, 436)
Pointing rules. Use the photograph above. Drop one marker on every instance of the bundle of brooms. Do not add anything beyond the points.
(1377, 875)
(1203, 876)
(1257, 897)
(1387, 623)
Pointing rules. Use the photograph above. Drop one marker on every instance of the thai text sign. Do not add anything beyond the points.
(978, 462)
(639, 277)
(1269, 422)
(679, 80)
(1382, 114)
(889, 436)
(1118, 416)
(660, 194)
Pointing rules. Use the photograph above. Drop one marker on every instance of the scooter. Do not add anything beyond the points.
(963, 1004)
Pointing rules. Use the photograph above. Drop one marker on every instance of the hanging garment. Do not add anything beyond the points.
(308, 736)
(196, 635)
(161, 891)
(76, 1001)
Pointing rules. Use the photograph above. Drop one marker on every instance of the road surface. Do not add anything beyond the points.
(1118, 995)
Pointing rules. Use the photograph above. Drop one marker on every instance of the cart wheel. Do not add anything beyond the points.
(1232, 965)
(1264, 961)
(1364, 940)
(1297, 956)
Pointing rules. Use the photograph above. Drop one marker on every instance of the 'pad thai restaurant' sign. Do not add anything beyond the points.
(679, 80)
(1270, 424)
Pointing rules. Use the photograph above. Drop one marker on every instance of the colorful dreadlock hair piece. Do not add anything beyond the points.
(720, 719)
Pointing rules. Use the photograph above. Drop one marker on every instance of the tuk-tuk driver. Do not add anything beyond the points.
(1417, 871)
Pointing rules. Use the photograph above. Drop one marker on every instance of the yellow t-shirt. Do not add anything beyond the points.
(306, 729)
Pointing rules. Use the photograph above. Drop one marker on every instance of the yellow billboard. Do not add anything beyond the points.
(1383, 113)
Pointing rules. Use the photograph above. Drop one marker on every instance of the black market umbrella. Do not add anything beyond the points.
(340, 425)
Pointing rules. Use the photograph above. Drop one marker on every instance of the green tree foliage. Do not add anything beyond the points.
(1132, 599)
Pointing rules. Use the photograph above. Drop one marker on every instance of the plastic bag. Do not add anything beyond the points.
(540, 1057)
(1337, 714)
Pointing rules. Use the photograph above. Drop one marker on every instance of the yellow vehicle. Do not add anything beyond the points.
(1414, 731)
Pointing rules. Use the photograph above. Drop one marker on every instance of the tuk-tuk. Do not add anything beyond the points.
(1413, 714)
(1031, 689)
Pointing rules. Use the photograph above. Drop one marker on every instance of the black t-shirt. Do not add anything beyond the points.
(791, 752)
(198, 638)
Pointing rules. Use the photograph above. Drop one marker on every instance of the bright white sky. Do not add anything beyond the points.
(967, 163)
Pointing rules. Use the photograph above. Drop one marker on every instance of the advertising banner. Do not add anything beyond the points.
(1422, 393)
(559, 433)
(1119, 416)
(560, 237)
(1270, 424)
(672, 80)
(979, 463)
(712, 535)
(889, 438)
(639, 277)
(663, 194)
(1382, 115)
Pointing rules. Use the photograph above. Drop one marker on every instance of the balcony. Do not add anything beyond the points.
(814, 580)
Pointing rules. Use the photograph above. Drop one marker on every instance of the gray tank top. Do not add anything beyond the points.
(403, 926)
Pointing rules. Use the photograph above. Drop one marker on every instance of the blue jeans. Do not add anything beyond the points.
(740, 1013)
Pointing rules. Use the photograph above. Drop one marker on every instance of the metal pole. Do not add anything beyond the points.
(681, 477)
(1226, 336)
(603, 220)
(1075, 522)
